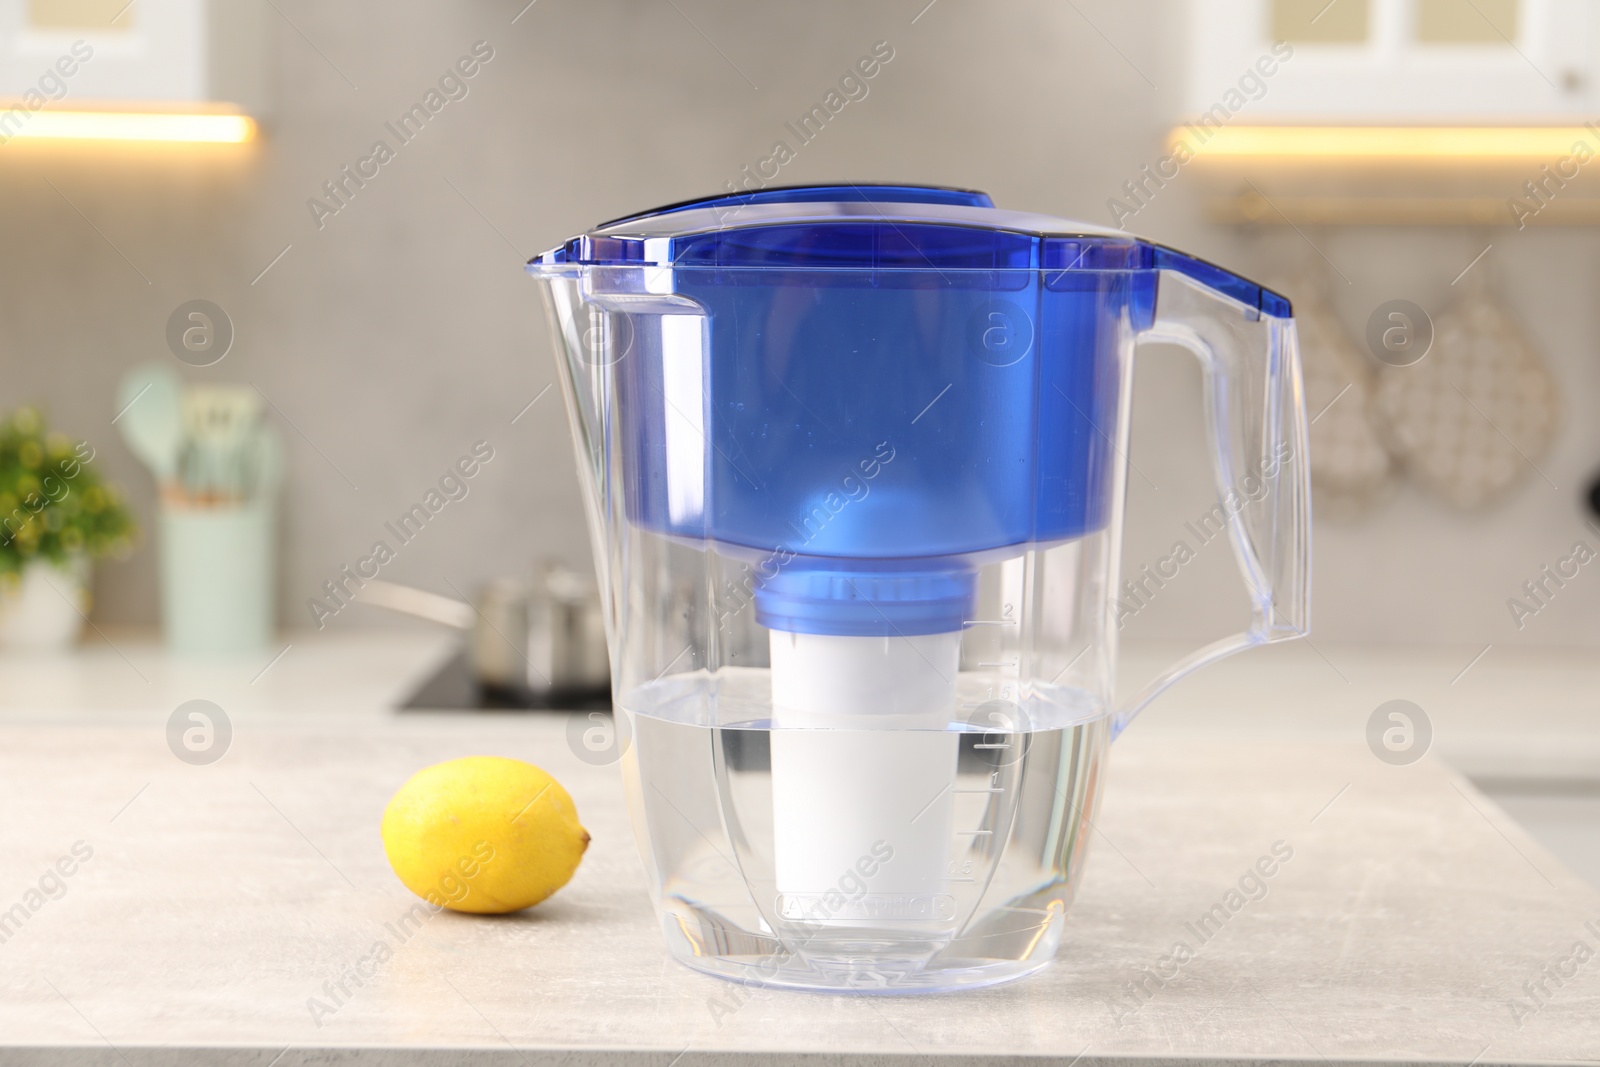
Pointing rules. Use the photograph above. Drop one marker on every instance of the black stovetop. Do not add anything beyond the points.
(453, 688)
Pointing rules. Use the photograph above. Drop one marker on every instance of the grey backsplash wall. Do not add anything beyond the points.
(403, 330)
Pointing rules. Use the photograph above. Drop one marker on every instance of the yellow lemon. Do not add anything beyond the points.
(483, 834)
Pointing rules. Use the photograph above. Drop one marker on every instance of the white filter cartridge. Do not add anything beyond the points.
(863, 764)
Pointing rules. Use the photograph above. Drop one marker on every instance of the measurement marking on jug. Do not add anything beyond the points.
(998, 745)
(1002, 663)
(977, 790)
(976, 833)
(990, 622)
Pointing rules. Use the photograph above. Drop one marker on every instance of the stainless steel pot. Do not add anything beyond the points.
(542, 637)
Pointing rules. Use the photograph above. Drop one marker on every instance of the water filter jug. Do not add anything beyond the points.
(854, 464)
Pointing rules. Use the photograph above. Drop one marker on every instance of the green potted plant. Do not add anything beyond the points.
(56, 516)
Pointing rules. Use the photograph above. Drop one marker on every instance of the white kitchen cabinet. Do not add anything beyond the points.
(161, 55)
(1398, 61)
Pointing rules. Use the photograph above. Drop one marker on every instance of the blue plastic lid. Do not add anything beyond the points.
(879, 228)
(890, 384)
(867, 193)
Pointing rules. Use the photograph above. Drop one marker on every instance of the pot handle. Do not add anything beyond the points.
(1256, 423)
(419, 602)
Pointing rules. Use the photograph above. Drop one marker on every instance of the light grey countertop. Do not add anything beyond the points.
(219, 899)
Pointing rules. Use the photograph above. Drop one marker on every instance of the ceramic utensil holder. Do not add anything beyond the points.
(218, 571)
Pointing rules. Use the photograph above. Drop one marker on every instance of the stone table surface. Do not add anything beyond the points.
(1410, 924)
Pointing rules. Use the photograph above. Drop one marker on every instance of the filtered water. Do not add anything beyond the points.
(905, 910)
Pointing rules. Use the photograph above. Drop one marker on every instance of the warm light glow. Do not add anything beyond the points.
(20, 124)
(1384, 142)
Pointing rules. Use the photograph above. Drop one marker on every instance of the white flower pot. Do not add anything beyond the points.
(45, 608)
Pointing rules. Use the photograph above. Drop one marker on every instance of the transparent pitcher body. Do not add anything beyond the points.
(856, 511)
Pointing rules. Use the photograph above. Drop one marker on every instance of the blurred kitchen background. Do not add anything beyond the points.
(387, 337)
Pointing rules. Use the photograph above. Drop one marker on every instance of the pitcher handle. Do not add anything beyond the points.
(1256, 423)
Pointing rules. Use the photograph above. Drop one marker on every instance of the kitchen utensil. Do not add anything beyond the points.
(1472, 419)
(218, 421)
(150, 404)
(217, 468)
(540, 640)
(263, 461)
(836, 443)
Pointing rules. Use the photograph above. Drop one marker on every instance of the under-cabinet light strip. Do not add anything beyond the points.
(17, 123)
(1384, 142)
